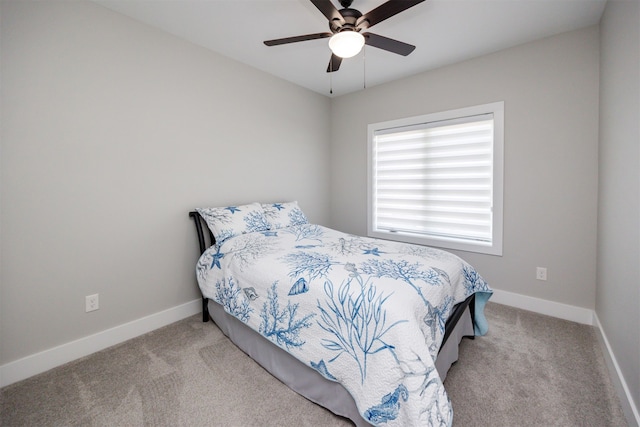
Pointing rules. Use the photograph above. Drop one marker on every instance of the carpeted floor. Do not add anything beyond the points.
(529, 370)
(532, 370)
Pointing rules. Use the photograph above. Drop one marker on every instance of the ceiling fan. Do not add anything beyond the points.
(347, 26)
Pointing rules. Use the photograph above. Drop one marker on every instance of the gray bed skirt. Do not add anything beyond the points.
(307, 381)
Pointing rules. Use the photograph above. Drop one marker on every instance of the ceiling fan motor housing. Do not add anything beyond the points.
(349, 21)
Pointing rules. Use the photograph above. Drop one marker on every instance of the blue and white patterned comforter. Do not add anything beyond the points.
(368, 313)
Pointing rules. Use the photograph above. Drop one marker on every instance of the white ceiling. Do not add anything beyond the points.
(443, 31)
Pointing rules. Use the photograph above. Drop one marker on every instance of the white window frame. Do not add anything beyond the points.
(494, 247)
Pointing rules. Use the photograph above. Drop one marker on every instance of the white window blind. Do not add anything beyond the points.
(435, 179)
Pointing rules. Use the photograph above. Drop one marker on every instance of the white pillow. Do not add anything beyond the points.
(281, 215)
(231, 221)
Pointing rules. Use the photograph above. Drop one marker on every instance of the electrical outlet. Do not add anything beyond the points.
(541, 273)
(91, 303)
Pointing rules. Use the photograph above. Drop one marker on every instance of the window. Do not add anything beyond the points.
(437, 179)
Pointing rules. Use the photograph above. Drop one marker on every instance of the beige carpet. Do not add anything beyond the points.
(530, 370)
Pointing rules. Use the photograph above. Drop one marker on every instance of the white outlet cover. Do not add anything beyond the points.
(541, 273)
(92, 303)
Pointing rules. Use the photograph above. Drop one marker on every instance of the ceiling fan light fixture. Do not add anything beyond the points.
(346, 44)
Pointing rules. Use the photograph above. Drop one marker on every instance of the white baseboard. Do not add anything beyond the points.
(549, 308)
(48, 359)
(628, 405)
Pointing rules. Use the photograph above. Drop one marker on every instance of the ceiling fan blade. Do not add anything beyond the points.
(334, 63)
(386, 10)
(386, 43)
(295, 39)
(328, 9)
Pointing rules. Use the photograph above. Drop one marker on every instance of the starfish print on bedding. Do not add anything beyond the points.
(215, 261)
(374, 251)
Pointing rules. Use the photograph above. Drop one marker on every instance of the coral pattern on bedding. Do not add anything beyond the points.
(365, 312)
(281, 215)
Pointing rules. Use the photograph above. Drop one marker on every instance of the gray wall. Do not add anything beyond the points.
(618, 284)
(550, 90)
(111, 132)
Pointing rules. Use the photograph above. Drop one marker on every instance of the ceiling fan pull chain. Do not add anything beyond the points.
(364, 68)
(331, 78)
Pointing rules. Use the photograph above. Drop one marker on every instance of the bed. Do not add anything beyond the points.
(365, 327)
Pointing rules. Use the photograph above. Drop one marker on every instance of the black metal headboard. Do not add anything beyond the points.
(205, 241)
(201, 226)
